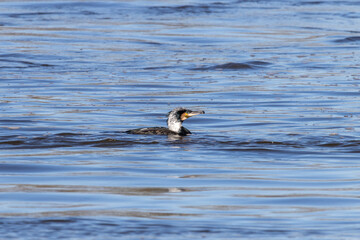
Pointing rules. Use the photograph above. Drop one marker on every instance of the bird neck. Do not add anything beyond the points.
(174, 124)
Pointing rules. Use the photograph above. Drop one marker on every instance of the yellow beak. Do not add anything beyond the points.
(186, 115)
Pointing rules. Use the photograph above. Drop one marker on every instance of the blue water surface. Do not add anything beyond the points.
(276, 156)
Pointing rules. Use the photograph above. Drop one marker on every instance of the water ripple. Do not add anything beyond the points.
(235, 66)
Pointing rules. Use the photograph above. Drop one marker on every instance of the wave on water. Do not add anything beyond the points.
(353, 39)
(234, 66)
(303, 144)
(67, 140)
(189, 9)
(18, 61)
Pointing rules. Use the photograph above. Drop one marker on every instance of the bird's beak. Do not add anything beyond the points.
(186, 115)
(194, 113)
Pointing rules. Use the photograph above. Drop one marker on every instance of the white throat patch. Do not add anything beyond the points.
(174, 124)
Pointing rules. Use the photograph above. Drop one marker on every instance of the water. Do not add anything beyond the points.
(275, 156)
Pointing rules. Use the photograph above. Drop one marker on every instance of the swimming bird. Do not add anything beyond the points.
(174, 122)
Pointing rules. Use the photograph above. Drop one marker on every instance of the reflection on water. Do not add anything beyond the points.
(276, 155)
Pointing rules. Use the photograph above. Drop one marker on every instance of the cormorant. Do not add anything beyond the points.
(174, 122)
